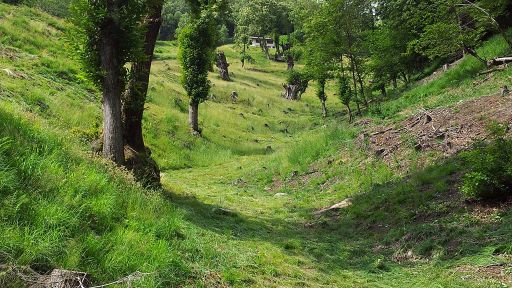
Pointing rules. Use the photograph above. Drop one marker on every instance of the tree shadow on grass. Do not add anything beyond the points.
(419, 217)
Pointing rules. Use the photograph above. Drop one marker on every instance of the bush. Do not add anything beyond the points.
(490, 171)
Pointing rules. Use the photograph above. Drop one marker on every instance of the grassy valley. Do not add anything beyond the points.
(237, 206)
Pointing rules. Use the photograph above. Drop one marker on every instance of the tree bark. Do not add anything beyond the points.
(136, 93)
(243, 56)
(349, 113)
(290, 61)
(355, 86)
(193, 117)
(113, 145)
(222, 64)
(294, 91)
(324, 109)
(359, 80)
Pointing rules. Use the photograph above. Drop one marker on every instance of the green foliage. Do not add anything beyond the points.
(173, 13)
(320, 92)
(66, 209)
(490, 171)
(88, 19)
(264, 18)
(296, 76)
(196, 44)
(344, 90)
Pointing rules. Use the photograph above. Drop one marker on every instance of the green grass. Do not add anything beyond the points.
(231, 213)
(459, 83)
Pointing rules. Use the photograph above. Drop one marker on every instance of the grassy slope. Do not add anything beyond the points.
(62, 208)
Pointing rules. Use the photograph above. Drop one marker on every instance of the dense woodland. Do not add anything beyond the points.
(380, 74)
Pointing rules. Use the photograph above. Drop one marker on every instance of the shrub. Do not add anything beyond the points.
(490, 171)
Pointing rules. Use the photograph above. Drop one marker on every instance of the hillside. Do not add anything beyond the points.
(237, 207)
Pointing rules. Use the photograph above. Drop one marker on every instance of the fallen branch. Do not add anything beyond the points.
(499, 61)
(344, 204)
(63, 278)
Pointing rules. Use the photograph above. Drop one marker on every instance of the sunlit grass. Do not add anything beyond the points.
(235, 210)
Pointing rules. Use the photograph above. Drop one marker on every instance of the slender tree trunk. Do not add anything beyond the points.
(355, 86)
(243, 57)
(113, 145)
(406, 79)
(349, 113)
(324, 108)
(193, 117)
(361, 89)
(276, 43)
(290, 61)
(473, 53)
(359, 80)
(135, 95)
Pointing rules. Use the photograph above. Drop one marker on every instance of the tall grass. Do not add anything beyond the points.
(61, 210)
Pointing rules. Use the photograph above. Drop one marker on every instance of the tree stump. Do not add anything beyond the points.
(234, 96)
(68, 279)
(294, 91)
(505, 91)
(223, 65)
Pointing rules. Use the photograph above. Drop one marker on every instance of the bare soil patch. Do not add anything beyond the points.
(446, 130)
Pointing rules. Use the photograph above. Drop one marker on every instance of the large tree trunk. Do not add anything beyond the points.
(135, 95)
(113, 144)
(223, 65)
(193, 117)
(292, 91)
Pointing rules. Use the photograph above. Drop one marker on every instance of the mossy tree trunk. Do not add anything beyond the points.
(135, 95)
(113, 144)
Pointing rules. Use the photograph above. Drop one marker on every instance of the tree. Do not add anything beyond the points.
(486, 12)
(241, 41)
(108, 37)
(296, 85)
(223, 66)
(135, 95)
(455, 30)
(264, 18)
(320, 93)
(345, 94)
(173, 13)
(196, 51)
